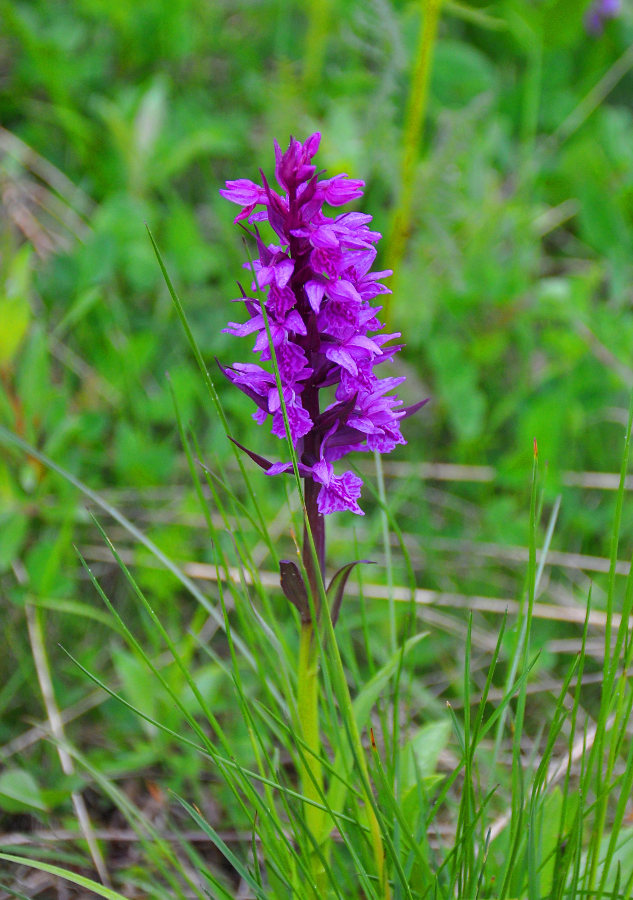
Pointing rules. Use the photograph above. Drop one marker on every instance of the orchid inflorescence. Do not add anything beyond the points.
(318, 288)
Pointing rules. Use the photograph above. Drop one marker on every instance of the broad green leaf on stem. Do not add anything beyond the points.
(362, 707)
(19, 791)
(15, 311)
(73, 877)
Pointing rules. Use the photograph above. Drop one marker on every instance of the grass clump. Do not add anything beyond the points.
(172, 725)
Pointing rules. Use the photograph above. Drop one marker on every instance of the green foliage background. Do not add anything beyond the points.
(514, 297)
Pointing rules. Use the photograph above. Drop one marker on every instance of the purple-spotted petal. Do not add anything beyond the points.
(337, 493)
(298, 419)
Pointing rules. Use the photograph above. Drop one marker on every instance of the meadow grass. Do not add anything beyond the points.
(170, 728)
(512, 812)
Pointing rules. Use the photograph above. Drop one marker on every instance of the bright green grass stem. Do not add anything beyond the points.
(311, 771)
(316, 42)
(418, 102)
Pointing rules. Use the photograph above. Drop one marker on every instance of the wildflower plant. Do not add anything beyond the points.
(309, 306)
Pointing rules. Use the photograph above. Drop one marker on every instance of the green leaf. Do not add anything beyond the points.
(419, 756)
(550, 827)
(20, 791)
(14, 528)
(137, 685)
(76, 608)
(460, 73)
(418, 761)
(15, 311)
(621, 859)
(33, 380)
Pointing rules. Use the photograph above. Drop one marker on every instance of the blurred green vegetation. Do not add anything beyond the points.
(514, 298)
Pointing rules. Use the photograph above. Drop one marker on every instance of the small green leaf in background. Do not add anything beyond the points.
(33, 381)
(138, 686)
(457, 386)
(15, 311)
(551, 825)
(45, 563)
(420, 754)
(418, 761)
(460, 73)
(20, 792)
(13, 527)
(208, 679)
(140, 460)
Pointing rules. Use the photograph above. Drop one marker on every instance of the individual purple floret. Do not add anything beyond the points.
(599, 12)
(317, 287)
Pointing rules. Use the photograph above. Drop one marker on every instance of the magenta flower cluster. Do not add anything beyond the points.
(317, 286)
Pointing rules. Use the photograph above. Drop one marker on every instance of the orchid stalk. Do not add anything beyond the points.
(317, 325)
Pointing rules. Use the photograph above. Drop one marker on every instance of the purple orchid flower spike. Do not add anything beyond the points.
(317, 286)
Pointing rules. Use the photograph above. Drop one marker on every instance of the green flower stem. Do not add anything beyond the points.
(311, 770)
(311, 643)
(418, 102)
(358, 750)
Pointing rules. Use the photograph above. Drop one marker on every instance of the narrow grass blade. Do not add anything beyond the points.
(67, 875)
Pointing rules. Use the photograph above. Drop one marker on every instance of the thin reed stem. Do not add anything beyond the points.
(42, 668)
(316, 42)
(416, 113)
